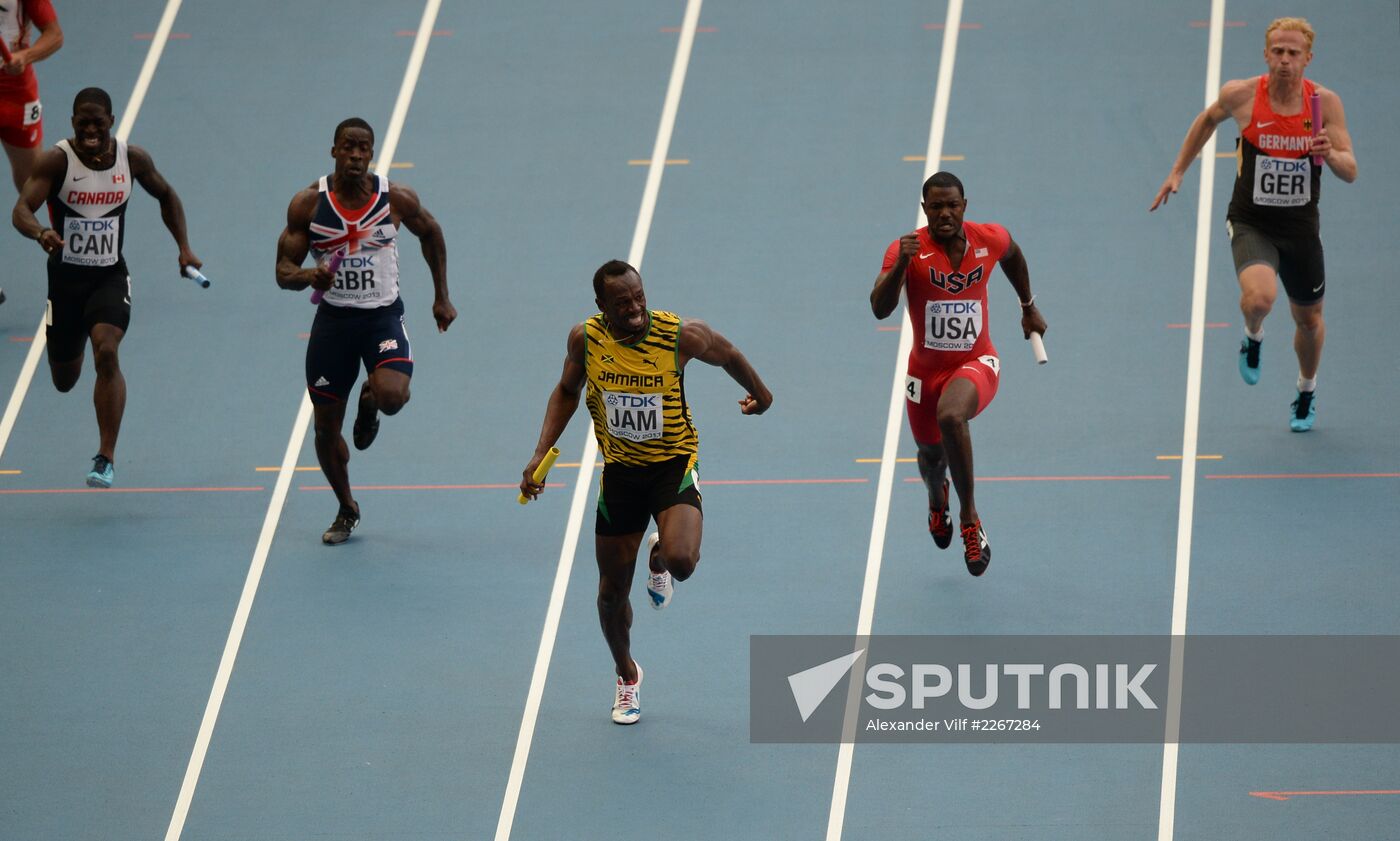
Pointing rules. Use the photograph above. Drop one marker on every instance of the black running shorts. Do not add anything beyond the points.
(81, 299)
(629, 496)
(1296, 259)
(344, 338)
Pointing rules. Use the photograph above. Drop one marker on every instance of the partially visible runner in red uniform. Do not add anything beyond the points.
(1273, 219)
(21, 115)
(953, 367)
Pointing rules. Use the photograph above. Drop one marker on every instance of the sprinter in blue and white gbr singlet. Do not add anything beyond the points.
(355, 215)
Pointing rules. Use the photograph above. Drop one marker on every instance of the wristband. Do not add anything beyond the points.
(1028, 304)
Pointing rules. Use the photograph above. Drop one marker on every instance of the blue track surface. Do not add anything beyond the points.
(379, 687)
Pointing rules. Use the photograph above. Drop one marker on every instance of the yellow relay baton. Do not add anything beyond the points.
(542, 470)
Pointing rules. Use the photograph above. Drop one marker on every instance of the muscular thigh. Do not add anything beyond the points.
(923, 390)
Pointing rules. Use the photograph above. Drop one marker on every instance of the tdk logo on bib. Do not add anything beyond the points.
(90, 242)
(1282, 182)
(952, 325)
(633, 417)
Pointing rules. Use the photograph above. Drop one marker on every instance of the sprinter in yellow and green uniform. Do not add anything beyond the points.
(632, 361)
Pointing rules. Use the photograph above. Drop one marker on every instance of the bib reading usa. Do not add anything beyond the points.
(952, 325)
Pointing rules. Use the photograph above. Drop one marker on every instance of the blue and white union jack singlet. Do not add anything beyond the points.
(368, 276)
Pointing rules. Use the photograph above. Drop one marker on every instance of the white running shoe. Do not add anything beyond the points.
(627, 704)
(659, 585)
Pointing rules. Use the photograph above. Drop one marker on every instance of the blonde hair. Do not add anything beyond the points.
(1290, 25)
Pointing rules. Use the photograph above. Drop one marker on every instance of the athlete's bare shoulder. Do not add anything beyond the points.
(1237, 99)
(303, 206)
(403, 198)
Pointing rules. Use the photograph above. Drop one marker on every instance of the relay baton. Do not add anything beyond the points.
(5, 51)
(542, 470)
(1038, 348)
(1315, 102)
(330, 267)
(194, 274)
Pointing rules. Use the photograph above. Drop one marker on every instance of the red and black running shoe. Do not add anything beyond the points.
(977, 552)
(940, 525)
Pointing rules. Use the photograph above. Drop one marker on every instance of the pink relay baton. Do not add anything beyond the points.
(330, 267)
(1315, 102)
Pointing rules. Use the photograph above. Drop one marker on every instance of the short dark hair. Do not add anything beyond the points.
(943, 179)
(612, 268)
(352, 122)
(93, 96)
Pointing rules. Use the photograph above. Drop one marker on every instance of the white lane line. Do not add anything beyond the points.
(284, 477)
(845, 755)
(133, 107)
(577, 509)
(1166, 816)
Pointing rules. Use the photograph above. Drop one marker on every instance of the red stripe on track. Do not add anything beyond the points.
(1284, 795)
(784, 481)
(1065, 479)
(491, 487)
(1303, 476)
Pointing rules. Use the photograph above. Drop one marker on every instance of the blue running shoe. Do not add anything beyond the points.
(1249, 360)
(101, 475)
(1304, 412)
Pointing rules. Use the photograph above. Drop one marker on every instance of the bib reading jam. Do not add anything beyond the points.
(636, 392)
(947, 303)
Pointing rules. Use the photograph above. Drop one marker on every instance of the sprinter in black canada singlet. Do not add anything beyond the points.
(355, 215)
(1273, 218)
(86, 181)
(631, 360)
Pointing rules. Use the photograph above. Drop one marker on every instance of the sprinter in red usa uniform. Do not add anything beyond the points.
(953, 367)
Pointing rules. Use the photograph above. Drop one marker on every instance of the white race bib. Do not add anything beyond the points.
(32, 112)
(1282, 182)
(913, 389)
(952, 325)
(633, 417)
(91, 242)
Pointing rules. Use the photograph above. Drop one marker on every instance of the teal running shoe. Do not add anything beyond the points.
(1249, 360)
(1304, 412)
